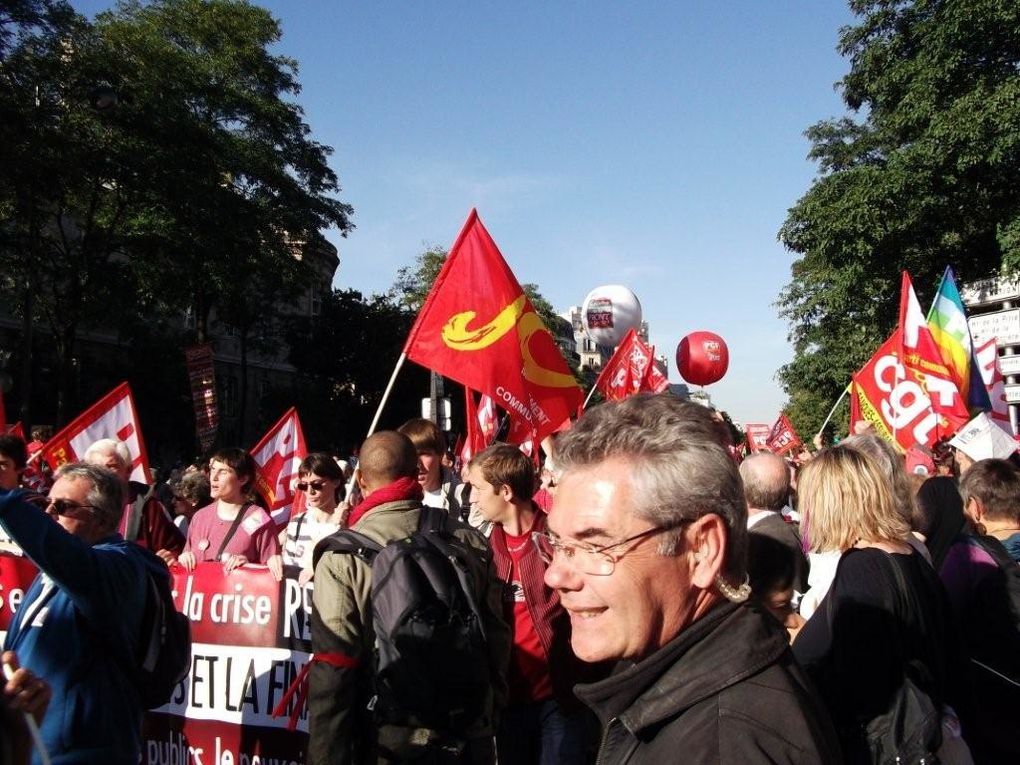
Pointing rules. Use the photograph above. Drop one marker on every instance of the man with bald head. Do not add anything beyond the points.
(341, 725)
(766, 479)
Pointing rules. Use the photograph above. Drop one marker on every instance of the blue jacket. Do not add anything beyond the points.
(83, 637)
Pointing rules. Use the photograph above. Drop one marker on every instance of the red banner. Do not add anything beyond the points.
(113, 416)
(250, 638)
(478, 327)
(757, 437)
(277, 455)
(202, 376)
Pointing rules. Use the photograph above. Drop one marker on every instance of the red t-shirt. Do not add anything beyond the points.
(529, 666)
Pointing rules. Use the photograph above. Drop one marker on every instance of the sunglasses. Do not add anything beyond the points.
(68, 508)
(317, 485)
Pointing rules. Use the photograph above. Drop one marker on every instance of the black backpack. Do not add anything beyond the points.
(164, 658)
(431, 661)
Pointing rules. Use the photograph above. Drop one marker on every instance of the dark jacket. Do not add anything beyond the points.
(727, 690)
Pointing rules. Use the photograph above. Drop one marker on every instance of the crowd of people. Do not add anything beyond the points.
(644, 595)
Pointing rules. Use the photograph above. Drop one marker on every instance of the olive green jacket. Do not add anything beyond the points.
(339, 726)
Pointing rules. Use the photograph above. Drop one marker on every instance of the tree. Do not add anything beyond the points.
(201, 183)
(921, 174)
(340, 386)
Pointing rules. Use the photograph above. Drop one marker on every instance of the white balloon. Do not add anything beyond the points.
(608, 312)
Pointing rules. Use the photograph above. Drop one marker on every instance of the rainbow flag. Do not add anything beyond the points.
(947, 321)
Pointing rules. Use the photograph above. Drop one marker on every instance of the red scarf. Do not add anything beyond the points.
(401, 489)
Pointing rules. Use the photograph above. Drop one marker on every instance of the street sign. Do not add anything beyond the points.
(1004, 326)
(1012, 394)
(1010, 365)
(994, 290)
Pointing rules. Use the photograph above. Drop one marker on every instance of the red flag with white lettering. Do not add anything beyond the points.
(757, 437)
(277, 457)
(113, 416)
(782, 437)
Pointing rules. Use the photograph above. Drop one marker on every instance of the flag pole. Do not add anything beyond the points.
(834, 407)
(386, 393)
(590, 394)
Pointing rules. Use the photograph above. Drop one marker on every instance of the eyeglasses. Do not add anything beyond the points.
(305, 486)
(68, 508)
(589, 559)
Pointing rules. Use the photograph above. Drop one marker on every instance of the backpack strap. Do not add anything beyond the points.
(233, 529)
(346, 541)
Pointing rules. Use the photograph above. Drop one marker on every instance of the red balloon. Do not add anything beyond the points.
(702, 358)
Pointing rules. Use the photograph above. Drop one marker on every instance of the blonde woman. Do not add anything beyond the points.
(885, 617)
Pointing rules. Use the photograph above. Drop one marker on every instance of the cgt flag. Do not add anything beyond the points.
(113, 416)
(277, 457)
(782, 438)
(479, 328)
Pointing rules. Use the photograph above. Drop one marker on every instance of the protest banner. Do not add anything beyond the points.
(757, 437)
(250, 638)
(202, 377)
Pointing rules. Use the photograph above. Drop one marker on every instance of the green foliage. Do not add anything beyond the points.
(923, 174)
(340, 388)
(199, 190)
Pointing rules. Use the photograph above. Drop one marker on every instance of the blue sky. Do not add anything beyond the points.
(656, 145)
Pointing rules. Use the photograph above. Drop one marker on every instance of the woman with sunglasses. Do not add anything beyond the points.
(233, 529)
(321, 481)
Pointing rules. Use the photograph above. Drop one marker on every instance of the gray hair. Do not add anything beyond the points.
(680, 469)
(766, 480)
(107, 446)
(892, 465)
(106, 494)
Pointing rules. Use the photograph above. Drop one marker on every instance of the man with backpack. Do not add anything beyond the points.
(410, 645)
(84, 615)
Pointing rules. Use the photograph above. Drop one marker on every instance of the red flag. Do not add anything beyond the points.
(782, 437)
(277, 457)
(616, 380)
(987, 357)
(523, 435)
(893, 402)
(113, 416)
(757, 437)
(655, 380)
(479, 328)
(15, 429)
(631, 369)
(488, 421)
(922, 362)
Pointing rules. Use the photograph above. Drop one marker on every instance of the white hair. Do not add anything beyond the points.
(107, 446)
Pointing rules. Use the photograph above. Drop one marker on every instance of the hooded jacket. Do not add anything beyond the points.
(727, 689)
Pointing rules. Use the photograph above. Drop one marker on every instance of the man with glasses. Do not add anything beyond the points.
(646, 549)
(81, 619)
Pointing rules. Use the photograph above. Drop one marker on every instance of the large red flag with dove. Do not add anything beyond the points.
(113, 416)
(277, 455)
(478, 327)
